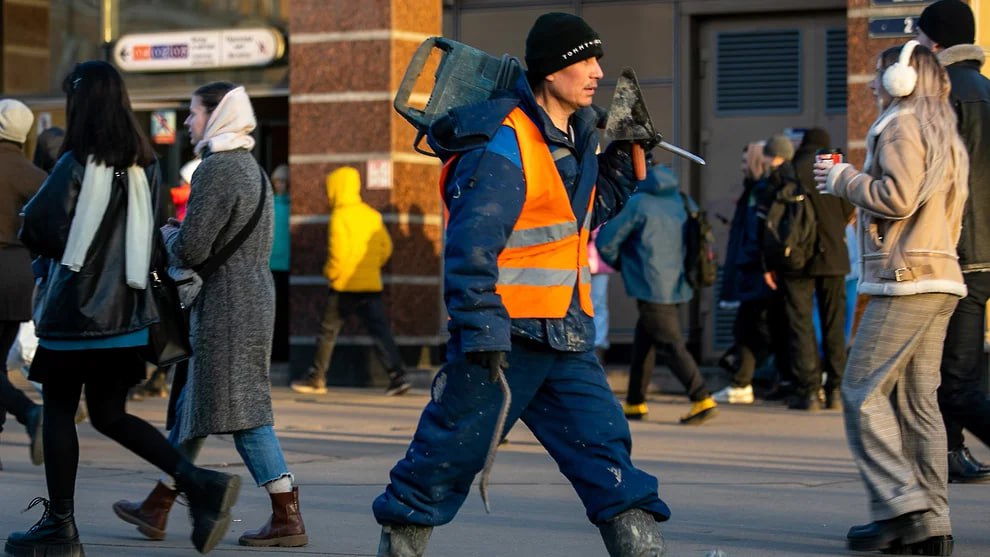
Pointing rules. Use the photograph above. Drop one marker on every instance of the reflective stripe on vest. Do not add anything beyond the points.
(546, 254)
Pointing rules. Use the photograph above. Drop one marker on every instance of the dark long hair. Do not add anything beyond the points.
(47, 148)
(99, 118)
(212, 93)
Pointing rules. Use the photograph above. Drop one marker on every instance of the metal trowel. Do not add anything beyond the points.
(629, 120)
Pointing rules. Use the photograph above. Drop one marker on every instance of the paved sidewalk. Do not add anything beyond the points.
(758, 481)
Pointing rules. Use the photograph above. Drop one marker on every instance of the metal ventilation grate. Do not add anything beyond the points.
(758, 72)
(836, 92)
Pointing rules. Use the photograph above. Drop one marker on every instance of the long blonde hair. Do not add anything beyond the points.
(944, 149)
(756, 166)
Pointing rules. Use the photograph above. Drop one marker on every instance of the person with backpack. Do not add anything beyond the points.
(760, 327)
(822, 280)
(789, 235)
(645, 242)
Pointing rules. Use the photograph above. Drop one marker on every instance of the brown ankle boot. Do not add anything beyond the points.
(151, 515)
(285, 527)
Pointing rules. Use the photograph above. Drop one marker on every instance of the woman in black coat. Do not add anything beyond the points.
(93, 221)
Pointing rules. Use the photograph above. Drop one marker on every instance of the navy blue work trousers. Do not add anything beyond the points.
(565, 401)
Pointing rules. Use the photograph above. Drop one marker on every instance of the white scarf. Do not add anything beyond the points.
(230, 125)
(94, 195)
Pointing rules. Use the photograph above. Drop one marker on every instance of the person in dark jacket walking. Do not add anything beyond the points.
(822, 280)
(93, 221)
(522, 203)
(646, 243)
(948, 28)
(19, 180)
(760, 327)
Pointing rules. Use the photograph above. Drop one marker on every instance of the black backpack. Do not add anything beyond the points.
(790, 229)
(700, 264)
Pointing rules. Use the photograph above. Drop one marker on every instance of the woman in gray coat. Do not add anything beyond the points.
(228, 388)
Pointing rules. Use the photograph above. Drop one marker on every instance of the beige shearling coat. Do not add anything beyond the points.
(907, 244)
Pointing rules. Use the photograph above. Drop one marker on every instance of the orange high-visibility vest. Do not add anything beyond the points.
(547, 253)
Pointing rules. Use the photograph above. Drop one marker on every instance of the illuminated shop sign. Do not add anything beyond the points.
(198, 50)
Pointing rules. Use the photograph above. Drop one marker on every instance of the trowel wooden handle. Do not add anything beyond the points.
(639, 161)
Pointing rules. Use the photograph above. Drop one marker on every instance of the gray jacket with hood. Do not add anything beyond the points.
(645, 241)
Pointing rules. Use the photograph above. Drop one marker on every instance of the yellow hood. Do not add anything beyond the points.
(343, 187)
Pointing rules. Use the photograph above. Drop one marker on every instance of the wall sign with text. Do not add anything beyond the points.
(893, 27)
(198, 50)
(899, 2)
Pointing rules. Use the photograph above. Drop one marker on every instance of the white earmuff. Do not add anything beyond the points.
(900, 78)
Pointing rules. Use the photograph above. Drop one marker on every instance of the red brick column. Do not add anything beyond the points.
(863, 52)
(347, 59)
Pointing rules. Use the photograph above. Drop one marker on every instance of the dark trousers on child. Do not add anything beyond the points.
(369, 309)
(658, 334)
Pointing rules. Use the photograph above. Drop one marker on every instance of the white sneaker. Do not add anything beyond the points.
(735, 395)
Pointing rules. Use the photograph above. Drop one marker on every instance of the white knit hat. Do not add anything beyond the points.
(15, 120)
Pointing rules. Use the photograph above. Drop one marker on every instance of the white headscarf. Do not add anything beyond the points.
(230, 125)
(94, 195)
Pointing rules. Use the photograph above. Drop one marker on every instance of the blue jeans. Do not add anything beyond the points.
(599, 301)
(565, 401)
(259, 448)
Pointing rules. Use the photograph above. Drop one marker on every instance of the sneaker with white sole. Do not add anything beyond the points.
(735, 395)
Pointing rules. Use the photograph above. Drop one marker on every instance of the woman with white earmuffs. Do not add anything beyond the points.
(910, 197)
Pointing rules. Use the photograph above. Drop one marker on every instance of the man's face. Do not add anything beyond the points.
(927, 41)
(574, 86)
(196, 122)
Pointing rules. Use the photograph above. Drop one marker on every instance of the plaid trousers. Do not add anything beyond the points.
(893, 424)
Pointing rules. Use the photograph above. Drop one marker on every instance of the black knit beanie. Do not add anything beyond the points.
(948, 22)
(558, 40)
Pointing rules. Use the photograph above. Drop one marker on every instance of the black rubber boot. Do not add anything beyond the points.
(633, 533)
(54, 535)
(404, 540)
(211, 495)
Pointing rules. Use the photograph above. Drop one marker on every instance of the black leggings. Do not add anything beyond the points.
(106, 396)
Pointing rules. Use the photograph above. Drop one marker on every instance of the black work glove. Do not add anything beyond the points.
(615, 164)
(493, 361)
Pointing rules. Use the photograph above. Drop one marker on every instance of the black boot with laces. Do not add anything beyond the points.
(54, 535)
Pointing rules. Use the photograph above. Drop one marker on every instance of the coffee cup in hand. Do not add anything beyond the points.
(825, 159)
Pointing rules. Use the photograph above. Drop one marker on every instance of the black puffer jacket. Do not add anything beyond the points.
(96, 301)
(831, 213)
(971, 98)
